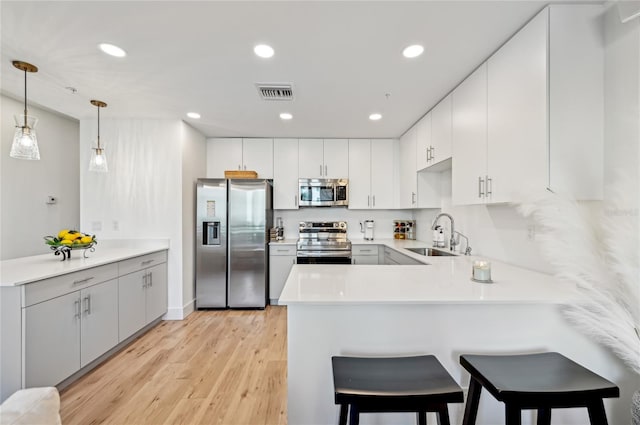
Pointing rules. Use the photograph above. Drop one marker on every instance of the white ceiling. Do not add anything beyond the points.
(342, 58)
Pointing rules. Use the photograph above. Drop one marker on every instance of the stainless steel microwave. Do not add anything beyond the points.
(323, 193)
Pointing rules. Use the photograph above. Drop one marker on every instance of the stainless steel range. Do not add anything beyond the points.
(323, 242)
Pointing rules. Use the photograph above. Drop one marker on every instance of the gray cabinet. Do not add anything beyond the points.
(142, 292)
(99, 318)
(281, 259)
(52, 343)
(66, 333)
(364, 254)
(393, 257)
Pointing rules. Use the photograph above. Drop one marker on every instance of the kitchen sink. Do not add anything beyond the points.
(430, 252)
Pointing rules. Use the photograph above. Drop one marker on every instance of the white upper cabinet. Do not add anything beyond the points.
(441, 131)
(311, 158)
(384, 158)
(470, 139)
(229, 154)
(408, 176)
(372, 173)
(359, 173)
(257, 155)
(538, 109)
(222, 155)
(323, 158)
(423, 142)
(517, 114)
(285, 174)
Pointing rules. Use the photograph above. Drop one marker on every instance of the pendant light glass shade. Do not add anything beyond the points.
(25, 142)
(98, 162)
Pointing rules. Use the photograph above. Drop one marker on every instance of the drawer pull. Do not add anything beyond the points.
(144, 263)
(282, 250)
(365, 250)
(81, 281)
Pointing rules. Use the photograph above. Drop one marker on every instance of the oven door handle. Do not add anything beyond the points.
(324, 254)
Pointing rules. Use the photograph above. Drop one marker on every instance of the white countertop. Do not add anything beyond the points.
(442, 280)
(23, 270)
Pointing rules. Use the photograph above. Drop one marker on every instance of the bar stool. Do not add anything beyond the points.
(542, 381)
(393, 384)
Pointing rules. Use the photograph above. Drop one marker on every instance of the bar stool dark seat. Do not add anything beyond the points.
(393, 384)
(541, 381)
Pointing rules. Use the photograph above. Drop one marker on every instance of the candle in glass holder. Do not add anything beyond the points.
(481, 271)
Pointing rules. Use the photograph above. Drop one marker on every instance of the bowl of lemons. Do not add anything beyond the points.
(67, 240)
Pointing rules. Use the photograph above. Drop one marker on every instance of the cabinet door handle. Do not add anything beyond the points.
(150, 278)
(480, 183)
(432, 151)
(325, 171)
(320, 169)
(245, 167)
(295, 200)
(489, 186)
(144, 280)
(239, 168)
(428, 152)
(293, 261)
(144, 263)
(76, 307)
(368, 200)
(374, 200)
(87, 305)
(413, 198)
(81, 281)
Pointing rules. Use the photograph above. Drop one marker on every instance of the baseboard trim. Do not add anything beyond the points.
(180, 313)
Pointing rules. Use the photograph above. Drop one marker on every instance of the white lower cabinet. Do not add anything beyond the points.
(364, 254)
(281, 259)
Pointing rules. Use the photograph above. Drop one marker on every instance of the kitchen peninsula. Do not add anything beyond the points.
(60, 319)
(400, 310)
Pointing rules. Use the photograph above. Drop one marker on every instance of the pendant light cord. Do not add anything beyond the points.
(25, 98)
(98, 127)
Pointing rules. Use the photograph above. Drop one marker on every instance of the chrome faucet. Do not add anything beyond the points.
(452, 240)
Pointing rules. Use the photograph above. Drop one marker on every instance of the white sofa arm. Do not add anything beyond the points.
(32, 406)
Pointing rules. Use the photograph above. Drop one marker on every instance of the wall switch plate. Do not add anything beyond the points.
(531, 232)
(51, 199)
(116, 225)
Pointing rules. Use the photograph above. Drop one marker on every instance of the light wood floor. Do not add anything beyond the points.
(215, 367)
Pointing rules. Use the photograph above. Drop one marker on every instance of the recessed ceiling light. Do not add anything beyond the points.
(193, 115)
(375, 117)
(286, 116)
(263, 50)
(112, 50)
(413, 51)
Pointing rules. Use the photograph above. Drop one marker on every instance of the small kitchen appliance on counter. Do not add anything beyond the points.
(367, 227)
(323, 242)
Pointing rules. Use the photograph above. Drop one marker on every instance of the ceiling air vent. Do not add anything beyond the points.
(270, 91)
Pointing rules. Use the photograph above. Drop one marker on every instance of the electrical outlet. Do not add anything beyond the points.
(531, 232)
(116, 225)
(51, 199)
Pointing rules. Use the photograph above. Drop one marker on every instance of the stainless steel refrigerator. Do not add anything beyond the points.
(233, 218)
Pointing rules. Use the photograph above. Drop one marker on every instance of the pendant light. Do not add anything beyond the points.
(25, 143)
(98, 157)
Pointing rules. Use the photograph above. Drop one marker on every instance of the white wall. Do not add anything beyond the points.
(194, 166)
(141, 195)
(24, 215)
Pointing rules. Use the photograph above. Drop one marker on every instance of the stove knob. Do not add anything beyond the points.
(303, 224)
